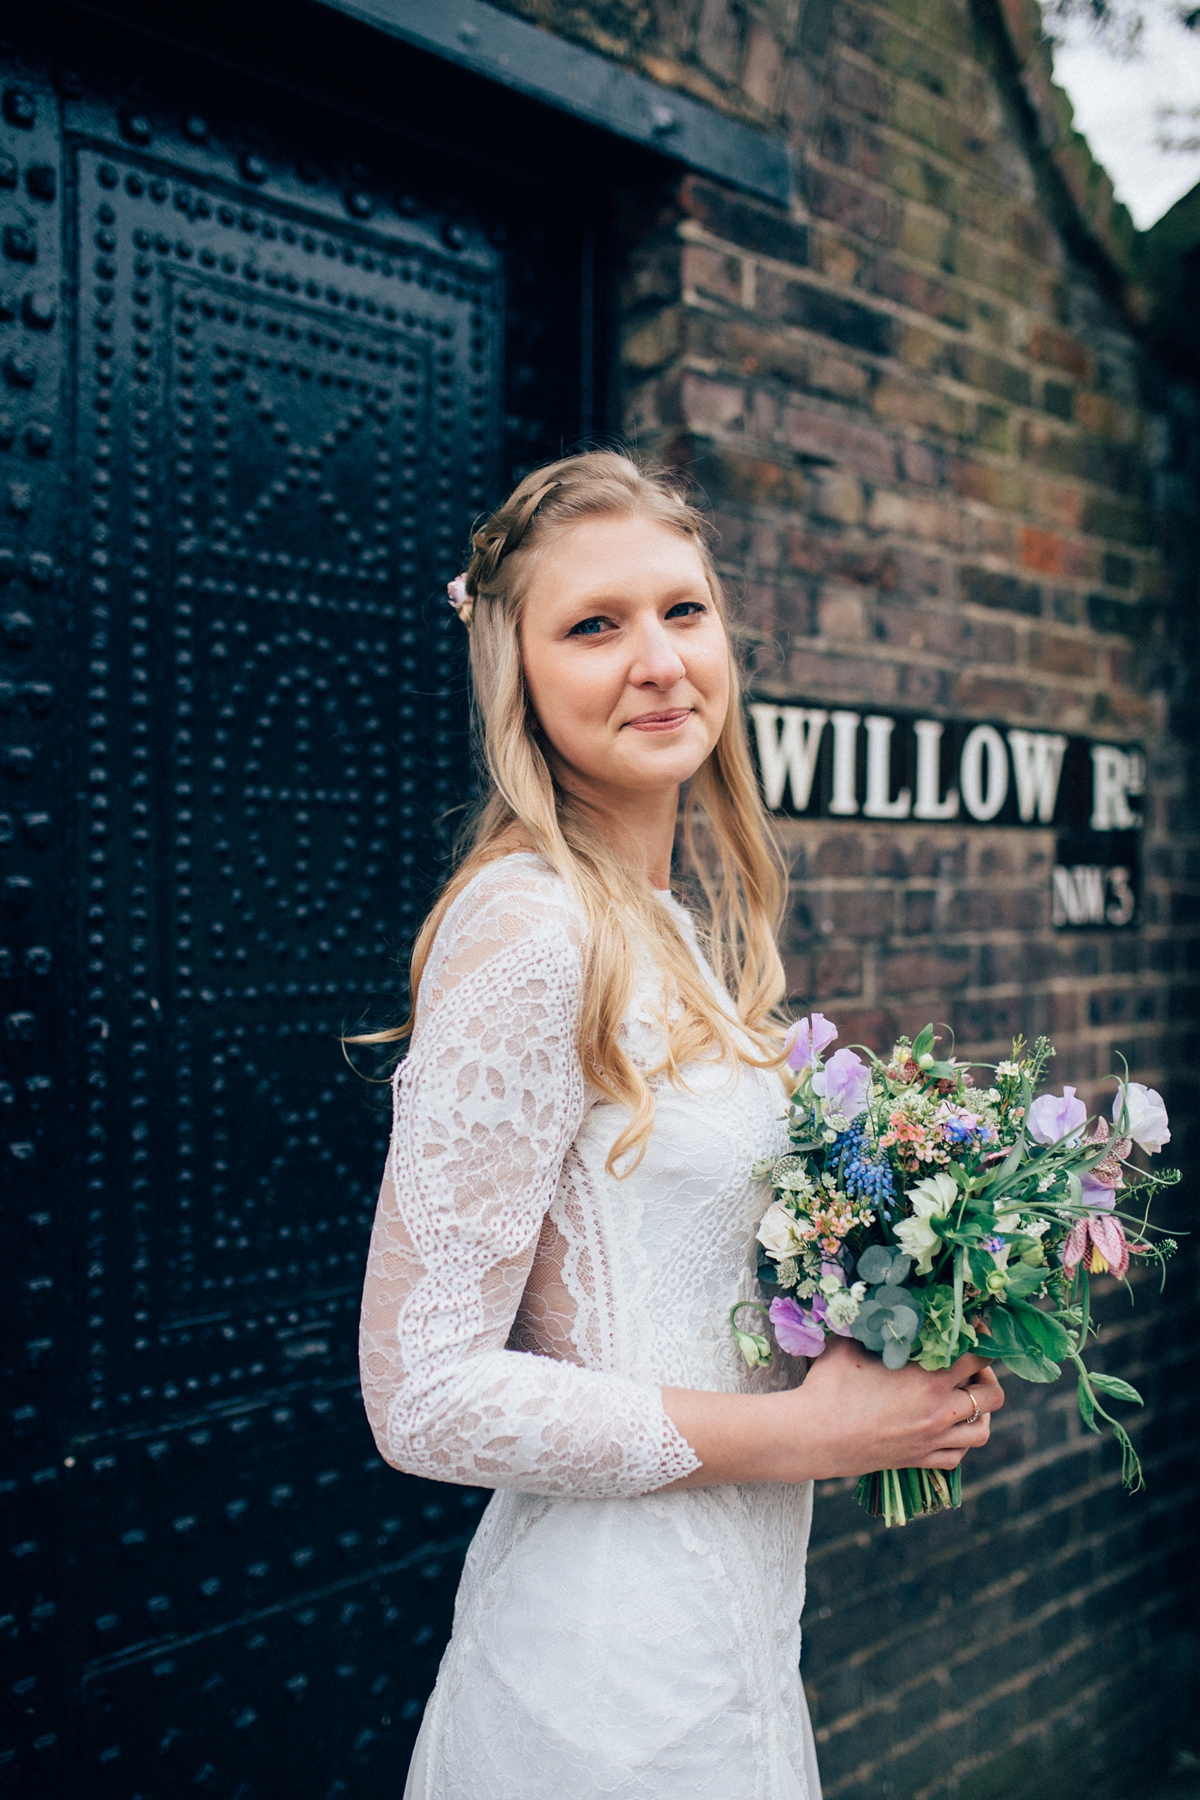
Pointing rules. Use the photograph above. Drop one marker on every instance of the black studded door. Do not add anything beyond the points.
(262, 365)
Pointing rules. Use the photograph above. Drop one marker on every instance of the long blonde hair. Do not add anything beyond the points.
(725, 834)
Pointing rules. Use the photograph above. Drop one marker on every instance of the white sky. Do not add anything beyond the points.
(1120, 106)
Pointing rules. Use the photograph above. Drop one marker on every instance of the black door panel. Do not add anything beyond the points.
(262, 365)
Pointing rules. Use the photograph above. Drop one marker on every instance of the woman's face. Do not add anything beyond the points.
(625, 656)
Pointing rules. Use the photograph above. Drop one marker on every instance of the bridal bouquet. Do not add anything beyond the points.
(929, 1217)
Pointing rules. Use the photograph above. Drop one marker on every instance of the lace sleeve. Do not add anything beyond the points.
(486, 1105)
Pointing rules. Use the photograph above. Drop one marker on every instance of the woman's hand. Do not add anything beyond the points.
(867, 1417)
(850, 1417)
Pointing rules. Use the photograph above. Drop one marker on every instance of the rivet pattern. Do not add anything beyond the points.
(32, 845)
(232, 723)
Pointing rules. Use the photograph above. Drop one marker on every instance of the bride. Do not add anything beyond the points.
(567, 1211)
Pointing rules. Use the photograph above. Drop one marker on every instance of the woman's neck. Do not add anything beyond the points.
(638, 824)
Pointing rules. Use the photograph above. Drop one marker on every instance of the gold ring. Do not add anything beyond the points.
(975, 1416)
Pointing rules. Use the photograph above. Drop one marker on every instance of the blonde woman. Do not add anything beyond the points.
(567, 1209)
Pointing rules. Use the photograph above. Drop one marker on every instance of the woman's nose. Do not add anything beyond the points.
(657, 663)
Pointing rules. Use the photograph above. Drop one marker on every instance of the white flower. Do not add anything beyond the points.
(992, 1094)
(778, 1234)
(787, 1271)
(1147, 1116)
(791, 1175)
(1008, 1068)
(842, 1307)
(929, 1199)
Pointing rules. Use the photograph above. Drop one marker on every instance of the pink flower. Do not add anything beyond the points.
(844, 1084)
(456, 592)
(1099, 1183)
(1051, 1118)
(807, 1040)
(797, 1332)
(1109, 1252)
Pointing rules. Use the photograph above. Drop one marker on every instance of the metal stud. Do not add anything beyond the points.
(19, 108)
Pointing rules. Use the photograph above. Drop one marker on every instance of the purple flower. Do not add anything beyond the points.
(1051, 1118)
(808, 1039)
(1097, 1194)
(844, 1084)
(797, 1332)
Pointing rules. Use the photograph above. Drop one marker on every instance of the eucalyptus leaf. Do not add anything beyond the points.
(875, 1264)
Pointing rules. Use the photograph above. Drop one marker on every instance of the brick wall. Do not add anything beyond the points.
(947, 474)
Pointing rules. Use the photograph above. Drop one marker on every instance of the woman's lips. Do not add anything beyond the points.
(661, 721)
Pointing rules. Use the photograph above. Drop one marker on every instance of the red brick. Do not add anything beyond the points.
(716, 405)
(842, 852)
(990, 695)
(1059, 655)
(858, 88)
(712, 272)
(855, 208)
(834, 440)
(995, 486)
(762, 66)
(1050, 554)
(819, 673)
(911, 970)
(1061, 351)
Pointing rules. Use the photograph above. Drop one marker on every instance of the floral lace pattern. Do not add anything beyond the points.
(486, 1106)
(522, 1310)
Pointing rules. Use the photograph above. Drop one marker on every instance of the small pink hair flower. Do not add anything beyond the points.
(460, 600)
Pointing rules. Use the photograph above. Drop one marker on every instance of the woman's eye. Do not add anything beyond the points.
(588, 627)
(684, 608)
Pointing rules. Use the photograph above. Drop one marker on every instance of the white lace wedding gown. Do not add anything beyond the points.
(522, 1311)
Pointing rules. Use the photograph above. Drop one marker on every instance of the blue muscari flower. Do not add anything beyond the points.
(864, 1173)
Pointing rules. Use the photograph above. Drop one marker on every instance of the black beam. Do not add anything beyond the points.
(588, 85)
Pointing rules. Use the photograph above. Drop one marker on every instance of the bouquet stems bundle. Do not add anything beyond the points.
(928, 1216)
(898, 1495)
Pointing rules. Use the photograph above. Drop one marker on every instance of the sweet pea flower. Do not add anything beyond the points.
(930, 1199)
(1052, 1117)
(797, 1332)
(808, 1039)
(1102, 1241)
(1147, 1116)
(844, 1084)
